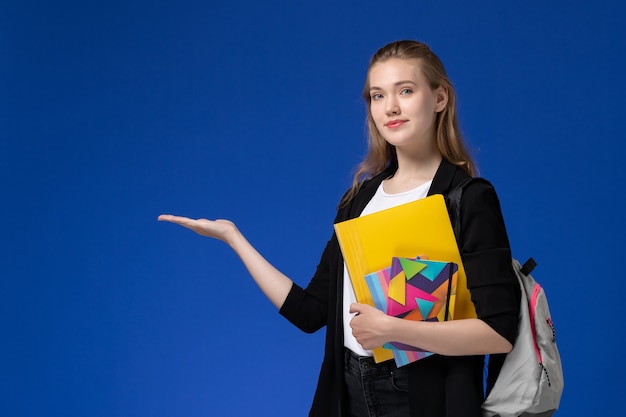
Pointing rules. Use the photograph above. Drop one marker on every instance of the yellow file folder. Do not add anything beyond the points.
(418, 228)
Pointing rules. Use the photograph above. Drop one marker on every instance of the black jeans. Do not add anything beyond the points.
(375, 390)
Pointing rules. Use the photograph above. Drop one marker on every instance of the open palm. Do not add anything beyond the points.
(218, 229)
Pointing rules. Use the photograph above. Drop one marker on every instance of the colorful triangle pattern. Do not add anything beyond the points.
(411, 267)
(413, 289)
(397, 289)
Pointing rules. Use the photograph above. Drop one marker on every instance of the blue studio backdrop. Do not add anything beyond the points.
(112, 113)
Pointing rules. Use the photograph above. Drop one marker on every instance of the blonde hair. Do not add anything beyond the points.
(380, 154)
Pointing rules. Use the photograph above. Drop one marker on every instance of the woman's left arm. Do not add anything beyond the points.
(373, 328)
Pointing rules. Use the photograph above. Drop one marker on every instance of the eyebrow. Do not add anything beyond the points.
(399, 83)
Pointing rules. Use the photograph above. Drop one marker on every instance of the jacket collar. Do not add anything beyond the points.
(445, 178)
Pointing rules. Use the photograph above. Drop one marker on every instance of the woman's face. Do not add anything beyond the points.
(403, 106)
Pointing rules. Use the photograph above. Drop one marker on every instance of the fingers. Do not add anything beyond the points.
(356, 308)
(359, 308)
(218, 229)
(173, 219)
(182, 221)
(166, 218)
(360, 327)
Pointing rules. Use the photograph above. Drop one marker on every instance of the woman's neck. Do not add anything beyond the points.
(412, 172)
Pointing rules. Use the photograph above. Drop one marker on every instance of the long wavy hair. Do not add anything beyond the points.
(380, 154)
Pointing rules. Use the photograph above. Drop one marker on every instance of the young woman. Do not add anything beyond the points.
(415, 150)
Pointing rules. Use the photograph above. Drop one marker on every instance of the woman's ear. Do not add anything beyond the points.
(441, 94)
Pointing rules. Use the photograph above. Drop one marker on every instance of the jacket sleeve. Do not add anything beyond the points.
(307, 308)
(486, 257)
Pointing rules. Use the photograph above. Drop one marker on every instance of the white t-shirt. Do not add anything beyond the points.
(380, 201)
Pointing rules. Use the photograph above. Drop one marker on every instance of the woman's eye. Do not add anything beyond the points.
(377, 96)
(406, 91)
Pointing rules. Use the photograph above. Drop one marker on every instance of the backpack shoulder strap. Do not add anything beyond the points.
(453, 201)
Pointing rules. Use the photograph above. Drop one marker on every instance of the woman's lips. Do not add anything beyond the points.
(392, 124)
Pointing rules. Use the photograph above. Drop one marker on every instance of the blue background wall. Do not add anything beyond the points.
(114, 112)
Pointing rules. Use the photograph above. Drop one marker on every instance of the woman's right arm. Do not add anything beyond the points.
(274, 284)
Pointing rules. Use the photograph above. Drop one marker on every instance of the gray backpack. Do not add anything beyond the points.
(530, 382)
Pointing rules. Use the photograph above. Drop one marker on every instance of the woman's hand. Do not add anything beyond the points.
(217, 229)
(370, 326)
(272, 282)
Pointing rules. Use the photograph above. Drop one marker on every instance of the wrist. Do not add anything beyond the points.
(396, 329)
(233, 237)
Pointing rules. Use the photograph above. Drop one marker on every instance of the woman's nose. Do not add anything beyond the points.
(392, 106)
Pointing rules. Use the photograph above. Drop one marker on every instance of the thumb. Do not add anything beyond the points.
(356, 308)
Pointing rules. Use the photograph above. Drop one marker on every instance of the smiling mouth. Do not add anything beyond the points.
(395, 123)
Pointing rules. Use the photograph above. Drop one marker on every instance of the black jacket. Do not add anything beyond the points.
(438, 385)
